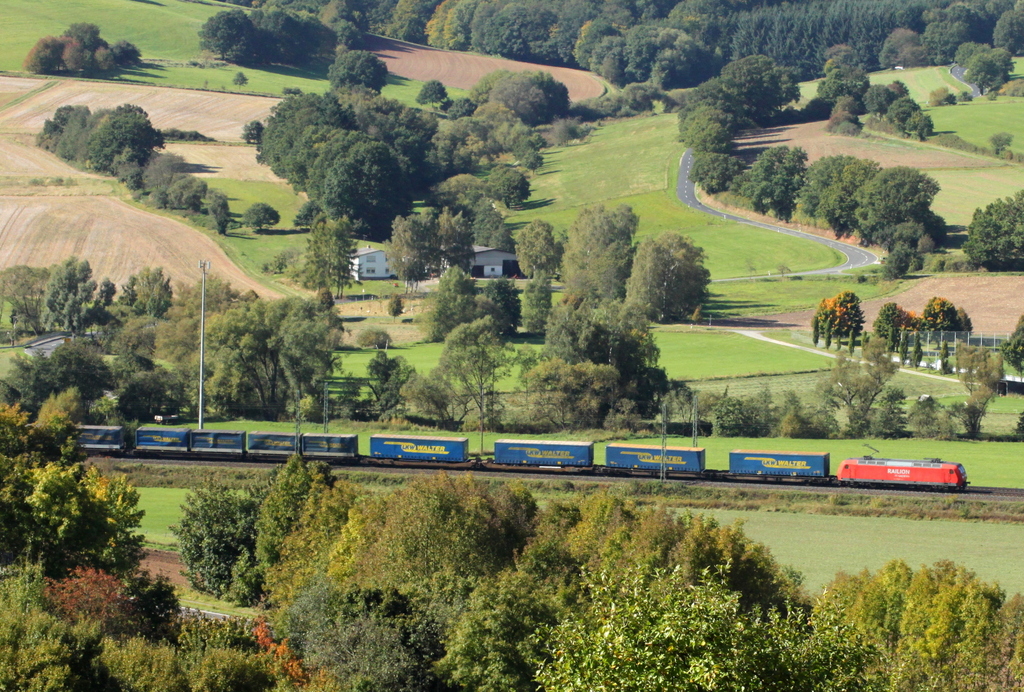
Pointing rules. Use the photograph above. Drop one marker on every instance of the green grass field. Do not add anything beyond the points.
(244, 193)
(820, 546)
(696, 355)
(963, 191)
(980, 119)
(163, 508)
(635, 162)
(773, 296)
(921, 81)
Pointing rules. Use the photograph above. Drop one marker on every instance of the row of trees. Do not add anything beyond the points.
(682, 44)
(267, 36)
(888, 207)
(79, 50)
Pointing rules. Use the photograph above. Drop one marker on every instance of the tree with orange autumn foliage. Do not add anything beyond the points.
(839, 317)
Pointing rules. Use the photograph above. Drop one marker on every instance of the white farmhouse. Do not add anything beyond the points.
(370, 263)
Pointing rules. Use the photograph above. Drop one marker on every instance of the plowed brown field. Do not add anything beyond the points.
(216, 115)
(223, 161)
(994, 304)
(463, 70)
(818, 144)
(116, 238)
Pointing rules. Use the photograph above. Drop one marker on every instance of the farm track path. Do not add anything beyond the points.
(686, 192)
(761, 337)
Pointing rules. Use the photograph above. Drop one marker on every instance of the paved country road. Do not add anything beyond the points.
(855, 256)
(958, 75)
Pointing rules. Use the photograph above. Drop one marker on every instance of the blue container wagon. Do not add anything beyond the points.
(107, 438)
(544, 452)
(229, 442)
(321, 445)
(767, 463)
(162, 439)
(419, 448)
(648, 457)
(272, 444)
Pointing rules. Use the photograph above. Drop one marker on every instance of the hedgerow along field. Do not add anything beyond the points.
(635, 162)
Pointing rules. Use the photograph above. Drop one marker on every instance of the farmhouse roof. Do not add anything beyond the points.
(365, 251)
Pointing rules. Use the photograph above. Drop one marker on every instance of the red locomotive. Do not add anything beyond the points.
(931, 473)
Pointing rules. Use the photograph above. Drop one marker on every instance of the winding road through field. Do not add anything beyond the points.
(958, 74)
(686, 191)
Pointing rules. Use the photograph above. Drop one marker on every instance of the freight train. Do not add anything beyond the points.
(621, 458)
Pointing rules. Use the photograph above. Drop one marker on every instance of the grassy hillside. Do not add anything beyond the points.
(635, 162)
(167, 34)
(980, 119)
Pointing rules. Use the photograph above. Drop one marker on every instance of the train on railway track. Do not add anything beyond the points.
(555, 456)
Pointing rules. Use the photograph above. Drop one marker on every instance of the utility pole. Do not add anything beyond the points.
(481, 417)
(298, 417)
(204, 266)
(694, 419)
(327, 405)
(664, 436)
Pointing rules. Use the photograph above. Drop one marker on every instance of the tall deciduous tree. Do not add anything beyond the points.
(358, 68)
(69, 294)
(260, 215)
(536, 304)
(537, 249)
(775, 180)
(217, 530)
(267, 354)
(980, 371)
(668, 280)
(476, 360)
(148, 292)
(599, 254)
(453, 303)
(329, 255)
(858, 384)
(26, 291)
(500, 300)
(639, 633)
(894, 196)
(996, 234)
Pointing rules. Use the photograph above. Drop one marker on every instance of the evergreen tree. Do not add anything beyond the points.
(452, 304)
(536, 304)
(328, 259)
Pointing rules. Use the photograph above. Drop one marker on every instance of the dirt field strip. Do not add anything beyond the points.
(463, 70)
(116, 238)
(813, 139)
(994, 304)
(223, 161)
(14, 88)
(19, 156)
(215, 114)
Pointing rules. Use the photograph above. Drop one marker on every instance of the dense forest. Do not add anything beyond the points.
(680, 44)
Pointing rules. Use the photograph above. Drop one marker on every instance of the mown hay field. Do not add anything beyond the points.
(216, 115)
(117, 239)
(993, 301)
(222, 161)
(463, 70)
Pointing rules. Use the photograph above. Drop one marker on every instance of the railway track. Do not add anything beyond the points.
(979, 493)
